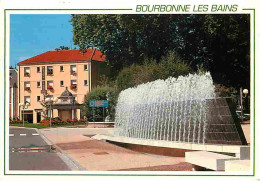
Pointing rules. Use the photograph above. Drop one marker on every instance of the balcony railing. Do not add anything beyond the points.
(27, 74)
(49, 87)
(49, 72)
(73, 72)
(73, 86)
(27, 88)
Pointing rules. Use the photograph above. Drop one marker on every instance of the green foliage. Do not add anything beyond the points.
(99, 93)
(229, 46)
(170, 65)
(223, 91)
(62, 48)
(29, 125)
(219, 43)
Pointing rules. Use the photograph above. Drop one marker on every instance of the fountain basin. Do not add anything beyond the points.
(240, 151)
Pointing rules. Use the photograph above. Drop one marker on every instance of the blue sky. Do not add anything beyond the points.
(33, 34)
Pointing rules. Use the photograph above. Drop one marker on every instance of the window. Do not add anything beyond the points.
(49, 70)
(38, 84)
(27, 86)
(38, 69)
(73, 70)
(85, 67)
(49, 85)
(85, 82)
(38, 98)
(73, 84)
(61, 83)
(27, 71)
(27, 99)
(61, 69)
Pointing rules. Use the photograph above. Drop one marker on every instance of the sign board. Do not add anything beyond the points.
(98, 103)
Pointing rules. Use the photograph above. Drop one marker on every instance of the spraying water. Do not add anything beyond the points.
(171, 109)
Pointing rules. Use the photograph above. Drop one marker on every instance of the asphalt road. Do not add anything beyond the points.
(28, 151)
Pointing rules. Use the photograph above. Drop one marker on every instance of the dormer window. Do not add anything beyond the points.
(73, 70)
(27, 71)
(49, 70)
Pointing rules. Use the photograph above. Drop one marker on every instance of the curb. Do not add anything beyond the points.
(72, 164)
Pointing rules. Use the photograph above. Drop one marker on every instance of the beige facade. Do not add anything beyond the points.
(53, 78)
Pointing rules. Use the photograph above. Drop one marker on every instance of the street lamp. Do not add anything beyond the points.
(24, 106)
(72, 110)
(50, 101)
(245, 92)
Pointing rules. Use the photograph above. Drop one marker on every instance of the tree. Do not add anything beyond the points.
(125, 39)
(100, 93)
(62, 48)
(229, 46)
(219, 43)
(170, 65)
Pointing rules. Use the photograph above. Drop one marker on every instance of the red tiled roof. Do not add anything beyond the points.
(65, 56)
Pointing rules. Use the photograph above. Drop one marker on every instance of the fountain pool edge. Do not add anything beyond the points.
(241, 151)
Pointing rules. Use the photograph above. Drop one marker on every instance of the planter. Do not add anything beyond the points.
(73, 86)
(49, 87)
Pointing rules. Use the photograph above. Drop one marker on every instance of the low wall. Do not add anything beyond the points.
(100, 125)
(173, 148)
(246, 129)
(153, 150)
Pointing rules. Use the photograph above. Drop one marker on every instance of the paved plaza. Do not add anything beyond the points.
(94, 155)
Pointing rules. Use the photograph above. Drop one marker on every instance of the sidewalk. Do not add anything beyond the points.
(96, 155)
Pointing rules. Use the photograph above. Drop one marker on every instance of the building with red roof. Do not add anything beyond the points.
(58, 56)
(65, 76)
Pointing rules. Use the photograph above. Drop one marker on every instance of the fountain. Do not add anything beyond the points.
(183, 109)
(181, 117)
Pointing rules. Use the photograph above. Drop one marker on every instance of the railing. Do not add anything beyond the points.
(73, 86)
(49, 87)
(27, 88)
(73, 72)
(26, 74)
(49, 72)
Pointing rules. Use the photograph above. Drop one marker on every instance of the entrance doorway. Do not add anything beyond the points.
(39, 117)
(28, 116)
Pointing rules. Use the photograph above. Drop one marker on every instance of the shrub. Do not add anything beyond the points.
(170, 65)
(100, 93)
(16, 121)
(223, 91)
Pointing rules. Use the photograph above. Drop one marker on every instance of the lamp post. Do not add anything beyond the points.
(72, 110)
(245, 92)
(50, 101)
(24, 106)
(108, 95)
